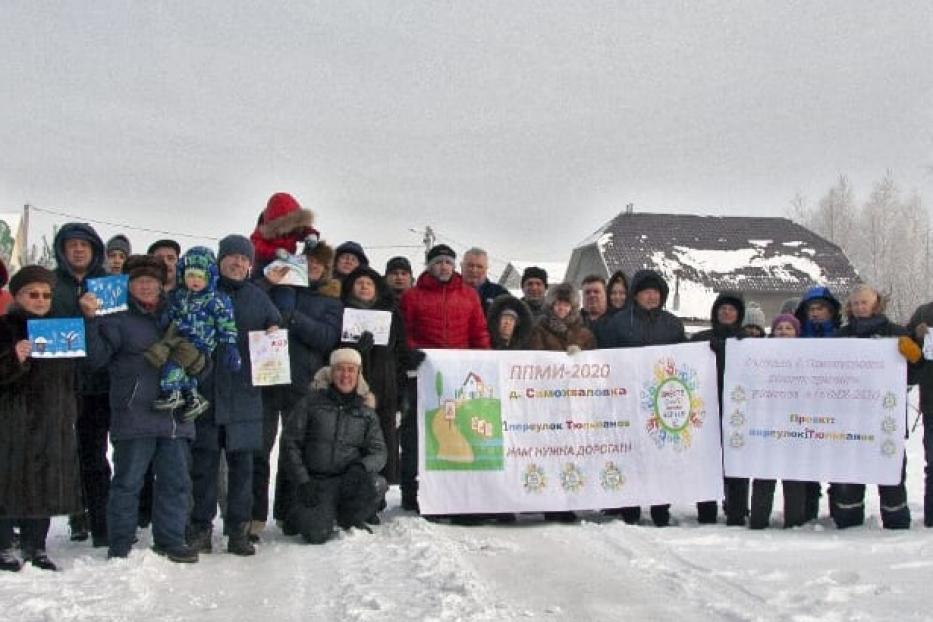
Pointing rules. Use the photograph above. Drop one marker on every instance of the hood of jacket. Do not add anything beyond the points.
(199, 258)
(819, 293)
(523, 326)
(322, 380)
(736, 299)
(81, 231)
(384, 300)
(645, 279)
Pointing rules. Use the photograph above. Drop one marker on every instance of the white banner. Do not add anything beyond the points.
(534, 431)
(830, 410)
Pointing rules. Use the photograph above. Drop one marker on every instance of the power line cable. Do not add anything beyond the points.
(121, 225)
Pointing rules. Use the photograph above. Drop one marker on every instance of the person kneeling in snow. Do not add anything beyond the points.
(334, 450)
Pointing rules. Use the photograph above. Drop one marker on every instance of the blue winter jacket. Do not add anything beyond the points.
(118, 343)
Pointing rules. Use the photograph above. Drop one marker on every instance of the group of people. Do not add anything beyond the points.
(167, 383)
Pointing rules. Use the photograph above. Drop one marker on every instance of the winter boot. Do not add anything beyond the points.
(79, 527)
(661, 515)
(168, 401)
(707, 512)
(410, 501)
(238, 542)
(40, 560)
(9, 561)
(256, 527)
(195, 406)
(199, 539)
(182, 554)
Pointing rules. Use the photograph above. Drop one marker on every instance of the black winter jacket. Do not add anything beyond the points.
(327, 431)
(633, 326)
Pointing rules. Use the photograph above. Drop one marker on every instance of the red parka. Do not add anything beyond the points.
(444, 315)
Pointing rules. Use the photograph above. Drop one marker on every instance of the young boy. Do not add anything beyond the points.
(203, 316)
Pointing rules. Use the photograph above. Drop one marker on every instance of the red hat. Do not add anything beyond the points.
(280, 204)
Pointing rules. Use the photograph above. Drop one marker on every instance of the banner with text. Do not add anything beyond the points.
(815, 409)
(526, 431)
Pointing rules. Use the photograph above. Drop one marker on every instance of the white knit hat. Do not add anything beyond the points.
(345, 355)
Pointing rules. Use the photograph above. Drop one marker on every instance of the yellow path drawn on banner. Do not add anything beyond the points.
(451, 444)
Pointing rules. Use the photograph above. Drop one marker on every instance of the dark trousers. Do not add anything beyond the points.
(91, 427)
(271, 409)
(32, 534)
(847, 504)
(205, 465)
(408, 442)
(131, 458)
(346, 500)
(928, 465)
(390, 433)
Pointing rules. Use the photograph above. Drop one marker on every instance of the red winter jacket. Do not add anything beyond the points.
(444, 315)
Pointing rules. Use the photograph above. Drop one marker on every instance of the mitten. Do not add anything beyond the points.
(311, 241)
(416, 358)
(306, 494)
(157, 354)
(573, 349)
(366, 342)
(232, 359)
(188, 356)
(909, 349)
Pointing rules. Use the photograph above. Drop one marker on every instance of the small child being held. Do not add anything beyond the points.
(202, 315)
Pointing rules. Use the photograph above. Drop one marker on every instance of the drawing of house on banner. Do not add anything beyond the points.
(473, 388)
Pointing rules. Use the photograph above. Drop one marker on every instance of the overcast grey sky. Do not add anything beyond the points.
(519, 126)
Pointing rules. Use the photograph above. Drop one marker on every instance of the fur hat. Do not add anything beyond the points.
(144, 265)
(322, 253)
(324, 376)
(31, 274)
(353, 248)
(345, 355)
(562, 291)
(534, 272)
(235, 244)
(120, 243)
(786, 317)
(164, 244)
(441, 250)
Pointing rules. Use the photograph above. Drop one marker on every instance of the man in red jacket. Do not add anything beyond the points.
(440, 311)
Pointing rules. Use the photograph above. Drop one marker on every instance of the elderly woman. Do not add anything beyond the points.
(39, 474)
(139, 434)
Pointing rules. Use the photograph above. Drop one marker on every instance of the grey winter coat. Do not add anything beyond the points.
(327, 431)
(236, 405)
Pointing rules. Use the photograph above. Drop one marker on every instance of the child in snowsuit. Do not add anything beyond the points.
(203, 316)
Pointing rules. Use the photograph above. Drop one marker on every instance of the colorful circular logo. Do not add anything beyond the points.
(673, 404)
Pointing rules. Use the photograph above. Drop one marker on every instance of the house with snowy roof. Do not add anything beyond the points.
(770, 259)
(511, 277)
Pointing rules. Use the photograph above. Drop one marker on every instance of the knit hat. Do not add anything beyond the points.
(235, 244)
(144, 265)
(534, 272)
(649, 282)
(564, 292)
(441, 250)
(31, 274)
(398, 263)
(509, 311)
(754, 316)
(354, 248)
(4, 275)
(120, 243)
(164, 244)
(786, 317)
(345, 355)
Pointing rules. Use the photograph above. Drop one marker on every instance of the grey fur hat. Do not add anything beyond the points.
(562, 291)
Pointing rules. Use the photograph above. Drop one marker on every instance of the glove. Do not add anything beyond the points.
(573, 349)
(232, 359)
(416, 358)
(741, 335)
(311, 241)
(366, 342)
(284, 298)
(909, 349)
(307, 494)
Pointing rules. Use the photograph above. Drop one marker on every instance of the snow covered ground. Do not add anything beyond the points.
(410, 569)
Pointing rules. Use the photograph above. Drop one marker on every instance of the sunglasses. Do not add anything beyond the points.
(38, 295)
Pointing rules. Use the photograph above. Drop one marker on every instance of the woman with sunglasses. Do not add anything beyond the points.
(39, 474)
